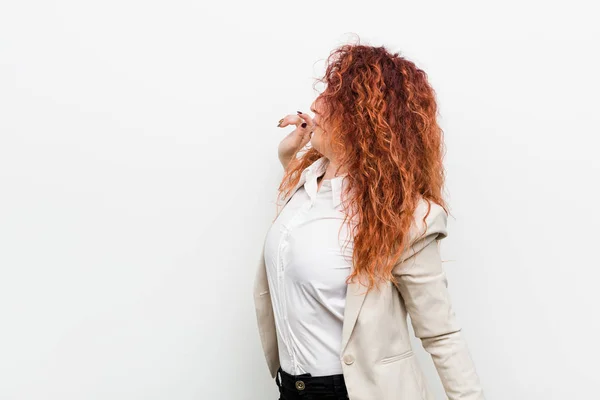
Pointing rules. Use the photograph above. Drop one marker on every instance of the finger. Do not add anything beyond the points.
(290, 120)
(306, 118)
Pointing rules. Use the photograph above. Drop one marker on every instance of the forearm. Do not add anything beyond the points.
(454, 366)
(285, 160)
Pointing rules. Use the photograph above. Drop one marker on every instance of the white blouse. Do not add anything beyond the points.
(307, 265)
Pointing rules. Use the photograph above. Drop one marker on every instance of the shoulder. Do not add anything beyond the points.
(428, 227)
(429, 222)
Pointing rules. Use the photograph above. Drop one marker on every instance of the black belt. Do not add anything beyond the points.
(308, 384)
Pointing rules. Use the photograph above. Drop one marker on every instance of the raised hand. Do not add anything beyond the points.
(296, 139)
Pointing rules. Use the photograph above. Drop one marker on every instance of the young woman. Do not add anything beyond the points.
(354, 247)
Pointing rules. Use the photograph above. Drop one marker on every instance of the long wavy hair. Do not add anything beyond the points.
(380, 112)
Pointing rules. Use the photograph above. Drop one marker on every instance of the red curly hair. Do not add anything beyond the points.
(380, 111)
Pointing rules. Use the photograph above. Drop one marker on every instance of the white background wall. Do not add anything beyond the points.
(138, 172)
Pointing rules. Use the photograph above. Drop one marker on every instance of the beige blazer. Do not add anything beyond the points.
(377, 358)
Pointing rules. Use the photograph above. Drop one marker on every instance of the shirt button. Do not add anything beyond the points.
(348, 359)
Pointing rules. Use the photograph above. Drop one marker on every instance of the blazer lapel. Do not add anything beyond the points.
(355, 298)
(265, 317)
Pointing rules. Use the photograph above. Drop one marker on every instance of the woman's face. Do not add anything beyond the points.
(318, 137)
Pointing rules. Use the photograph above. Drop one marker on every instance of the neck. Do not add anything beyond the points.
(330, 172)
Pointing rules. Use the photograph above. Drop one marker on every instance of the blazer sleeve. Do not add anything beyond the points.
(423, 285)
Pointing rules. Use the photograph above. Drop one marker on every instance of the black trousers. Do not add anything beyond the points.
(308, 387)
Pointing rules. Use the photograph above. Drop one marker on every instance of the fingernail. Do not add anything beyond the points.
(303, 125)
(299, 112)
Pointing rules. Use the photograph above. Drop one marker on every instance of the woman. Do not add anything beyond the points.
(354, 247)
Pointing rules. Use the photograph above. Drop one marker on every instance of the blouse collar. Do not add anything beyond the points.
(309, 176)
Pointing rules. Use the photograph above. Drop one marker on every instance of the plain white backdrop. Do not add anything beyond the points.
(138, 174)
